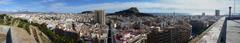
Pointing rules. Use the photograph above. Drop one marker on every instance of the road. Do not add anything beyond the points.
(233, 31)
(3, 33)
(15, 35)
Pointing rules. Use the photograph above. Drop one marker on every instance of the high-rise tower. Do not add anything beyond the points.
(100, 16)
(217, 12)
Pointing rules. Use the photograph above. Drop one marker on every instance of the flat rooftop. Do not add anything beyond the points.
(233, 31)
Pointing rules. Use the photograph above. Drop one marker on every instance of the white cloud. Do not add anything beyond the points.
(5, 2)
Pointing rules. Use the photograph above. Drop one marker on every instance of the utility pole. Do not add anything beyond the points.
(109, 37)
(171, 37)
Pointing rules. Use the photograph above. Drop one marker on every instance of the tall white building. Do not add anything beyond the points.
(100, 17)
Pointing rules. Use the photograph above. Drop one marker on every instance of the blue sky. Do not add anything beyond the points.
(147, 6)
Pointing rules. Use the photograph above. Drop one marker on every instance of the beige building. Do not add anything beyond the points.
(100, 17)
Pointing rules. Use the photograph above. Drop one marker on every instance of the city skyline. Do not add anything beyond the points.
(153, 6)
(119, 21)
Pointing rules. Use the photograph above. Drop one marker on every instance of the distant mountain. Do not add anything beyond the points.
(20, 12)
(85, 12)
(4, 12)
(26, 12)
(133, 11)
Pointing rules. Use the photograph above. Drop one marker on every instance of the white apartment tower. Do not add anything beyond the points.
(100, 16)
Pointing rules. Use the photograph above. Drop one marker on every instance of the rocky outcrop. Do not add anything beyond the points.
(133, 11)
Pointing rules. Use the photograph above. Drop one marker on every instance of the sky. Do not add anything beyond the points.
(195, 7)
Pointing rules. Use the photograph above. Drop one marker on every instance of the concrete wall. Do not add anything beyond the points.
(212, 34)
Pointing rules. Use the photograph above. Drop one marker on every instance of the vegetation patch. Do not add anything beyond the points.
(22, 23)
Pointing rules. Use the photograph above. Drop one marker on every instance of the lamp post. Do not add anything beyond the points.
(230, 11)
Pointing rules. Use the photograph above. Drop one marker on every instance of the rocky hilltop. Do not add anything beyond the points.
(133, 11)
